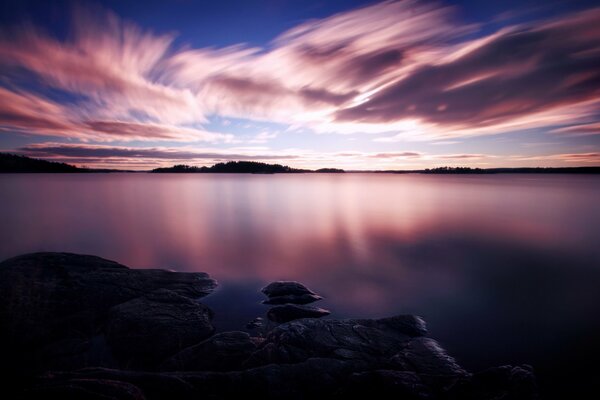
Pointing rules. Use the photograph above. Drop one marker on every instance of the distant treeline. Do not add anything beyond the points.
(14, 163)
(248, 167)
(242, 167)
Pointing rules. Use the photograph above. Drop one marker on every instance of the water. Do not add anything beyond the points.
(504, 268)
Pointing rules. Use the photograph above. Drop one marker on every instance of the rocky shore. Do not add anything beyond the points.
(76, 326)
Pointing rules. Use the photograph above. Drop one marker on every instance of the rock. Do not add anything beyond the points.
(387, 384)
(293, 299)
(224, 351)
(425, 356)
(506, 382)
(315, 378)
(309, 358)
(256, 323)
(370, 341)
(290, 312)
(285, 288)
(145, 330)
(54, 306)
(88, 389)
(312, 378)
(71, 312)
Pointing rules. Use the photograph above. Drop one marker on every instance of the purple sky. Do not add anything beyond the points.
(378, 85)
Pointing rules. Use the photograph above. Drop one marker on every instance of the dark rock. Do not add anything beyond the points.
(285, 288)
(68, 311)
(370, 341)
(506, 383)
(314, 378)
(256, 323)
(54, 306)
(290, 312)
(387, 384)
(143, 331)
(383, 358)
(223, 352)
(86, 389)
(425, 356)
(293, 299)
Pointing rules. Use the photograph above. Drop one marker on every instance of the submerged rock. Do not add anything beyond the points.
(54, 308)
(293, 299)
(256, 323)
(285, 288)
(290, 312)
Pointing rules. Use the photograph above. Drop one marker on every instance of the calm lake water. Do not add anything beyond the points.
(504, 268)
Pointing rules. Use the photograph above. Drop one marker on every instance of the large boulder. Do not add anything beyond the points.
(224, 351)
(373, 342)
(54, 306)
(142, 332)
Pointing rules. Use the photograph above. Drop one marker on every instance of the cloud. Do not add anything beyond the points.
(461, 156)
(518, 73)
(398, 154)
(406, 68)
(27, 112)
(581, 129)
(32, 114)
(82, 152)
(263, 137)
(133, 130)
(579, 158)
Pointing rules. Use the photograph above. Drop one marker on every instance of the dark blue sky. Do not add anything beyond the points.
(227, 22)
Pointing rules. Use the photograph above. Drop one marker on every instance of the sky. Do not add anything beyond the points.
(360, 85)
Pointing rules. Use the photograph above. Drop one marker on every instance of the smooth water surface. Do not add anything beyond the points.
(505, 268)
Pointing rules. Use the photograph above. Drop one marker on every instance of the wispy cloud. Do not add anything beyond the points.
(408, 69)
(579, 158)
(462, 156)
(263, 137)
(580, 129)
(146, 157)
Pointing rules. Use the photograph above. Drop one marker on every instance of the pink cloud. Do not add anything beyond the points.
(405, 68)
(33, 114)
(522, 75)
(461, 156)
(580, 129)
(566, 158)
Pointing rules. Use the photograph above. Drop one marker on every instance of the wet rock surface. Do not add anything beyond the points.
(56, 310)
(286, 288)
(100, 334)
(290, 299)
(224, 351)
(145, 330)
(290, 312)
(293, 299)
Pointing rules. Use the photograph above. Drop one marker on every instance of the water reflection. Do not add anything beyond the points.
(509, 264)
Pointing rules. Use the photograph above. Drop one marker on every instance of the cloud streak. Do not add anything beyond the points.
(407, 69)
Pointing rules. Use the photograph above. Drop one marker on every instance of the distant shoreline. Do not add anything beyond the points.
(11, 163)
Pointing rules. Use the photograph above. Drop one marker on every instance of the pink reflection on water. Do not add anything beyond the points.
(339, 233)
